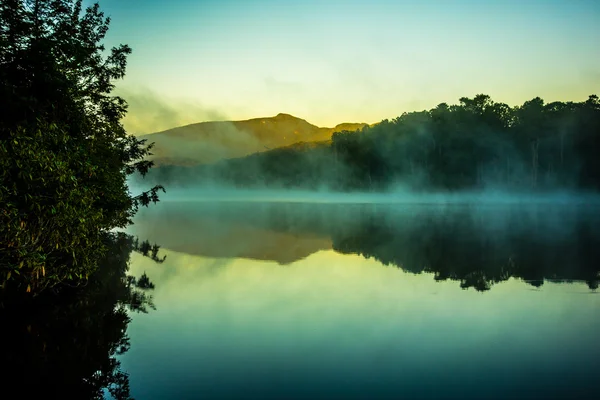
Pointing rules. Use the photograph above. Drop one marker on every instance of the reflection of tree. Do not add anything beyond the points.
(148, 250)
(65, 344)
(473, 248)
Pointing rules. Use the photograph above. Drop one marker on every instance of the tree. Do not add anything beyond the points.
(531, 120)
(64, 154)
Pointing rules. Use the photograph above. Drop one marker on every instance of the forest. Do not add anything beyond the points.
(475, 144)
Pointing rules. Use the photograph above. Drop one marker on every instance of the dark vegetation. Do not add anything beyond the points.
(475, 144)
(64, 155)
(65, 294)
(66, 345)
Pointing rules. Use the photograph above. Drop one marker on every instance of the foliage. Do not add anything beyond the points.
(64, 155)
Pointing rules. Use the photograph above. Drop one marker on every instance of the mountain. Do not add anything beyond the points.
(207, 142)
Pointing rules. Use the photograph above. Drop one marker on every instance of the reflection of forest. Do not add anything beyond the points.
(484, 246)
(64, 344)
(476, 245)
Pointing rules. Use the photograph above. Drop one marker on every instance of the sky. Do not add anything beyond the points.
(331, 61)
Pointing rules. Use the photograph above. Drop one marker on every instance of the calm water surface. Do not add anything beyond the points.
(305, 300)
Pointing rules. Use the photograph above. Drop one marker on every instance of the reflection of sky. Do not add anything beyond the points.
(339, 324)
(331, 61)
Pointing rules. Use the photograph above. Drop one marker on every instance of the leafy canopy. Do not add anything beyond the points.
(64, 154)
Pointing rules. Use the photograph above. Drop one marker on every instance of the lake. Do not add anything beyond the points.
(307, 299)
(293, 299)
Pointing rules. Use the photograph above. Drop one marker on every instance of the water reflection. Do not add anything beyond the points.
(473, 244)
(66, 345)
(291, 300)
(341, 326)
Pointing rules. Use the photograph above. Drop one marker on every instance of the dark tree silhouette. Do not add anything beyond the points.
(64, 344)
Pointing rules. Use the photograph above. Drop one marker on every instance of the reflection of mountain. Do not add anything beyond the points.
(65, 345)
(225, 232)
(208, 142)
(476, 245)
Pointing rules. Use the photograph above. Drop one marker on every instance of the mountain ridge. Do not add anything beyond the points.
(210, 141)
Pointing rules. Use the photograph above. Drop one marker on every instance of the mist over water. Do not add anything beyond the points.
(478, 239)
(396, 194)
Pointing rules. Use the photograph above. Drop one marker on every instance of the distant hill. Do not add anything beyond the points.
(207, 142)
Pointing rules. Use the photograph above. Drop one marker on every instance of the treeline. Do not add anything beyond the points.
(477, 143)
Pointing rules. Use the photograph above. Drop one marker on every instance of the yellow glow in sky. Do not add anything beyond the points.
(347, 61)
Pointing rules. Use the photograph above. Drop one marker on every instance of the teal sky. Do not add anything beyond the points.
(347, 61)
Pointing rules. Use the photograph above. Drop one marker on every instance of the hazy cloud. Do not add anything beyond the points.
(220, 141)
(150, 112)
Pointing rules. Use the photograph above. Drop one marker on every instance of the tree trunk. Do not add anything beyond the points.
(36, 22)
(562, 150)
(507, 170)
(534, 161)
(337, 167)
